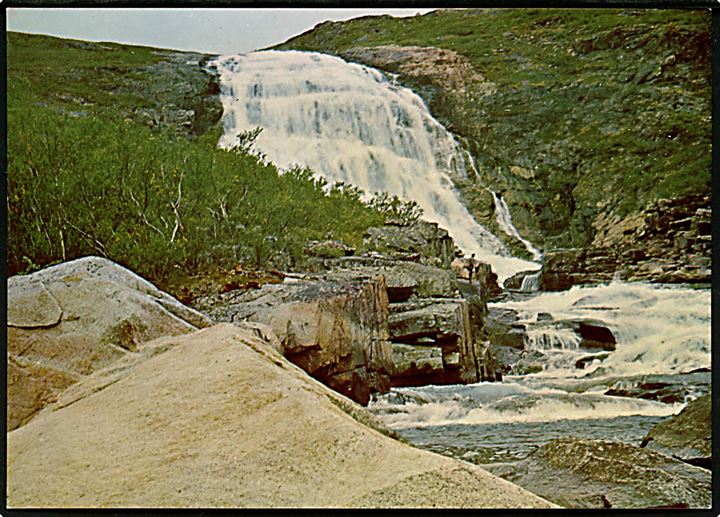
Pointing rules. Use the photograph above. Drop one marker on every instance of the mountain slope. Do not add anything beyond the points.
(112, 151)
(577, 116)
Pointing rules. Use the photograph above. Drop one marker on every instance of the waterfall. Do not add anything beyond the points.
(531, 283)
(551, 339)
(350, 124)
(502, 214)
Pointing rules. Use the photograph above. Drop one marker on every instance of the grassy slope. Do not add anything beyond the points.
(609, 109)
(100, 150)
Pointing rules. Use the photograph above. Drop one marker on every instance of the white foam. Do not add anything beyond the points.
(350, 124)
(659, 329)
(524, 406)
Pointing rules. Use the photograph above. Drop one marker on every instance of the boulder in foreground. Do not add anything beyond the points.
(687, 435)
(220, 419)
(66, 321)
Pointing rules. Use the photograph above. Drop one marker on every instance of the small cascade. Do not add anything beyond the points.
(531, 283)
(504, 220)
(659, 329)
(350, 124)
(542, 339)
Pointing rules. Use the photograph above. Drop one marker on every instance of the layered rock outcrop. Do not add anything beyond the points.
(369, 323)
(220, 419)
(669, 242)
(66, 321)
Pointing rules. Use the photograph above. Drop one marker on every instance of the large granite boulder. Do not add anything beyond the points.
(603, 474)
(220, 419)
(68, 320)
(687, 435)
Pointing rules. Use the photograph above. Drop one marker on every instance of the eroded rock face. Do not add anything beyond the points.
(220, 419)
(687, 435)
(667, 242)
(603, 474)
(66, 321)
(334, 327)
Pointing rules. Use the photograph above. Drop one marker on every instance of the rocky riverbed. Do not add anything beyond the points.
(530, 386)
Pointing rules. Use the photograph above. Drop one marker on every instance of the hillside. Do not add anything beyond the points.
(112, 151)
(580, 117)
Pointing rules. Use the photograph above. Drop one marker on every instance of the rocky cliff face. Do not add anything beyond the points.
(670, 241)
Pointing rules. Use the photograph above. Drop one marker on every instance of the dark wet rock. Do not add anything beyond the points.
(588, 359)
(578, 473)
(502, 329)
(687, 435)
(595, 335)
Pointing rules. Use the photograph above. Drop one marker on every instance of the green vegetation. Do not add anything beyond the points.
(98, 165)
(595, 111)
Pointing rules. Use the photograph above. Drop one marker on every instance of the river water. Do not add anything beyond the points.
(663, 337)
(350, 124)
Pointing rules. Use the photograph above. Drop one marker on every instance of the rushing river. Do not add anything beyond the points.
(663, 337)
(350, 124)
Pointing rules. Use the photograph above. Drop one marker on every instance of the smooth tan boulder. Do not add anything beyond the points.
(66, 321)
(218, 418)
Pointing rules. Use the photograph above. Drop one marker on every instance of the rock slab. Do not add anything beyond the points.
(66, 321)
(604, 474)
(687, 435)
(220, 419)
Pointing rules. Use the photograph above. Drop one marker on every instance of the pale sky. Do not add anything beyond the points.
(214, 31)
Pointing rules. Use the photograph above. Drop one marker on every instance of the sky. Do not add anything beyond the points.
(212, 31)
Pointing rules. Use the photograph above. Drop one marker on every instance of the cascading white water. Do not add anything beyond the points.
(502, 214)
(530, 283)
(551, 339)
(348, 123)
(659, 329)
